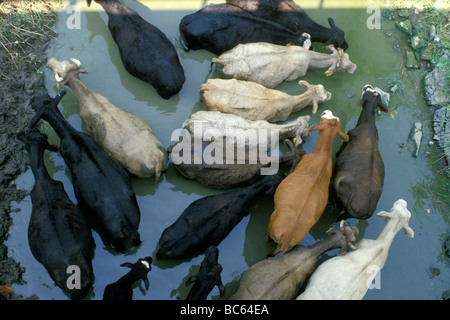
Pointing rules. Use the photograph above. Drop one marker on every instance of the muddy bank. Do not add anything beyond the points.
(25, 35)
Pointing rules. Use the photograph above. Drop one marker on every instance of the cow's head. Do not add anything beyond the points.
(317, 94)
(341, 61)
(64, 70)
(330, 122)
(374, 95)
(42, 103)
(337, 36)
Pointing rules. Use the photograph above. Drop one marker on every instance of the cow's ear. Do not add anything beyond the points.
(383, 107)
(127, 264)
(331, 22)
(146, 283)
(343, 135)
(314, 127)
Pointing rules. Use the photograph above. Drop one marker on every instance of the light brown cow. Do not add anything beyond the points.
(301, 197)
(126, 137)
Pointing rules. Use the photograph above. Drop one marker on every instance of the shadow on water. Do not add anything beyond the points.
(377, 55)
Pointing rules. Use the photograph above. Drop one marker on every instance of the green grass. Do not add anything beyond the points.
(22, 23)
(432, 13)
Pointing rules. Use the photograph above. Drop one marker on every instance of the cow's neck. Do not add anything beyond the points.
(78, 88)
(256, 188)
(37, 164)
(390, 230)
(58, 123)
(109, 5)
(301, 101)
(288, 130)
(115, 9)
(333, 242)
(324, 143)
(88, 100)
(319, 60)
(367, 114)
(130, 278)
(318, 32)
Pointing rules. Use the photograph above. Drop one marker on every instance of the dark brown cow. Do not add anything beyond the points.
(232, 175)
(359, 169)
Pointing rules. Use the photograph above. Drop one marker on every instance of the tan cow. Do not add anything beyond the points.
(125, 136)
(255, 102)
(301, 197)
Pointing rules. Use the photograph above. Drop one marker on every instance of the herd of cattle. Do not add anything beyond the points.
(259, 44)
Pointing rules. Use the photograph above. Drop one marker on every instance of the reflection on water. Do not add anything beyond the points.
(414, 179)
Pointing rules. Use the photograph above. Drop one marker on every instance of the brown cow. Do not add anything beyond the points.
(359, 169)
(301, 197)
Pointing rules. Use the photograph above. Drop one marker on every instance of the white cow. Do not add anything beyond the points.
(349, 276)
(270, 64)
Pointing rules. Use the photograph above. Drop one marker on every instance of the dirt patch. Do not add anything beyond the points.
(25, 33)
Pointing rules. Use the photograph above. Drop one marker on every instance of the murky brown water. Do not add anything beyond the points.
(405, 275)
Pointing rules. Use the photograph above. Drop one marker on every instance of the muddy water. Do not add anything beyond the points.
(417, 180)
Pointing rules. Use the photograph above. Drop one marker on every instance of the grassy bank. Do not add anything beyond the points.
(431, 26)
(24, 25)
(429, 36)
(426, 24)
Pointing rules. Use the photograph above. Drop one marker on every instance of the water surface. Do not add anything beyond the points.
(416, 180)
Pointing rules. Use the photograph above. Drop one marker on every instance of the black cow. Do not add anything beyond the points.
(358, 173)
(220, 27)
(208, 220)
(102, 187)
(293, 17)
(207, 277)
(145, 50)
(58, 233)
(122, 288)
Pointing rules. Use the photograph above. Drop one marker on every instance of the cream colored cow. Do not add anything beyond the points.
(255, 102)
(349, 276)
